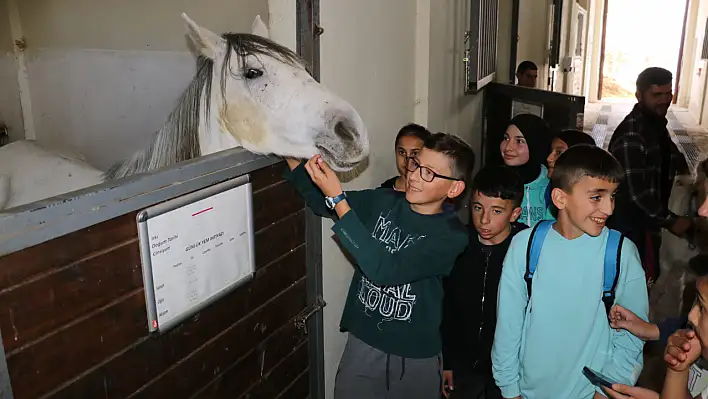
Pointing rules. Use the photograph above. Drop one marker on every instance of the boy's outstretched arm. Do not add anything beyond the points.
(308, 190)
(625, 363)
(511, 312)
(416, 258)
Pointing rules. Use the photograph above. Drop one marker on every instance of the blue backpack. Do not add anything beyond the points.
(613, 251)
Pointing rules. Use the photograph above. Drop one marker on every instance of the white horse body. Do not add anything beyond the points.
(248, 91)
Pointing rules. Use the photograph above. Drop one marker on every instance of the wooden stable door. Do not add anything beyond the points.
(73, 318)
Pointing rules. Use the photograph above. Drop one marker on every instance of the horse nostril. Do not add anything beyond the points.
(345, 131)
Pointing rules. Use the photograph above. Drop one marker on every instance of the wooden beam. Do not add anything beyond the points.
(602, 48)
(19, 47)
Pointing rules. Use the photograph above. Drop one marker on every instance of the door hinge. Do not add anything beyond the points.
(301, 319)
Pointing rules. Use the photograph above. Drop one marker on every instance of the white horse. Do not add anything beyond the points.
(248, 91)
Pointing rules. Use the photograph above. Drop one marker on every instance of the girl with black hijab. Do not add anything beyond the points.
(525, 147)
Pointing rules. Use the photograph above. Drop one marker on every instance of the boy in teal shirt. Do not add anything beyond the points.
(542, 344)
(402, 244)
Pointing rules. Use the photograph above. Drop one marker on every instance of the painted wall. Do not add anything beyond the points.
(368, 58)
(134, 51)
(10, 110)
(698, 68)
(533, 36)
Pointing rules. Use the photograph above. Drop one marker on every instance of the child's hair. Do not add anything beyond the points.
(585, 160)
(499, 182)
(572, 137)
(413, 130)
(460, 153)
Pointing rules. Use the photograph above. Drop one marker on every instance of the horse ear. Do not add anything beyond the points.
(206, 41)
(259, 28)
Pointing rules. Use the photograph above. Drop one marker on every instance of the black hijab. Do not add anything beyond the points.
(538, 138)
(573, 137)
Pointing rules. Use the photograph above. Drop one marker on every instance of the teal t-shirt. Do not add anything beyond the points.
(536, 205)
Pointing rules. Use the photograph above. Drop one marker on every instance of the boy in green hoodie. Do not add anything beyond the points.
(402, 244)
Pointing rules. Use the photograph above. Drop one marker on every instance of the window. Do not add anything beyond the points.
(481, 53)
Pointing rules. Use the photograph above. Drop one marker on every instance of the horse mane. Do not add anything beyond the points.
(178, 139)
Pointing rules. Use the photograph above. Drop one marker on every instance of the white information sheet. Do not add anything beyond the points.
(194, 249)
(521, 107)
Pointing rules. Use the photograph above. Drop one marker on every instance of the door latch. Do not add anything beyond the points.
(301, 319)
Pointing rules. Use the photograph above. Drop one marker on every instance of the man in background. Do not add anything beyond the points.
(651, 160)
(526, 74)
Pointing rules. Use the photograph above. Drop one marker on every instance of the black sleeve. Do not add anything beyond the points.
(670, 326)
(448, 328)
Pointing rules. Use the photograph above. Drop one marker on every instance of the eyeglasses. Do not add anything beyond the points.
(426, 173)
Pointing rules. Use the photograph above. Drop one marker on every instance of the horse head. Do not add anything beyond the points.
(263, 98)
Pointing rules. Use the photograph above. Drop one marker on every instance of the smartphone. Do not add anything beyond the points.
(596, 378)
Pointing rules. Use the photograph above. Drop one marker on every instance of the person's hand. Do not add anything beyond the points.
(323, 176)
(681, 225)
(621, 391)
(622, 318)
(682, 350)
(447, 383)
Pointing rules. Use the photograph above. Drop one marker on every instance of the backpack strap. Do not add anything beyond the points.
(613, 253)
(533, 251)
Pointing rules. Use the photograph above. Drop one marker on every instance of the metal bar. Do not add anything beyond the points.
(44, 220)
(308, 47)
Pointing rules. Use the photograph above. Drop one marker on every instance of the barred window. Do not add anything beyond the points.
(481, 39)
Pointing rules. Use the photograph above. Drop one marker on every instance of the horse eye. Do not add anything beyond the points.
(253, 73)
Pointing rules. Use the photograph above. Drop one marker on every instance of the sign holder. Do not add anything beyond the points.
(223, 215)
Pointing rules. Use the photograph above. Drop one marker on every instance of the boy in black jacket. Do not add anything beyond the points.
(469, 305)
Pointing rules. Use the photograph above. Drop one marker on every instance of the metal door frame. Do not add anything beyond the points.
(308, 47)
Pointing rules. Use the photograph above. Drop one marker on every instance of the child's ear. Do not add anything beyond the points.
(456, 189)
(515, 214)
(559, 198)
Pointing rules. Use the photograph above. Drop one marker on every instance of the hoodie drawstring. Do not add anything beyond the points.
(388, 366)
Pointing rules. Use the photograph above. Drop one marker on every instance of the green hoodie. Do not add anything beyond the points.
(395, 297)
(536, 205)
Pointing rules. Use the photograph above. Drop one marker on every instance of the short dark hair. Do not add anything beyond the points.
(585, 161)
(413, 130)
(460, 153)
(526, 66)
(653, 76)
(499, 181)
(572, 137)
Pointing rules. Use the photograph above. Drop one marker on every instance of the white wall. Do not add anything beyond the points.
(396, 62)
(10, 110)
(367, 56)
(697, 86)
(533, 36)
(104, 75)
